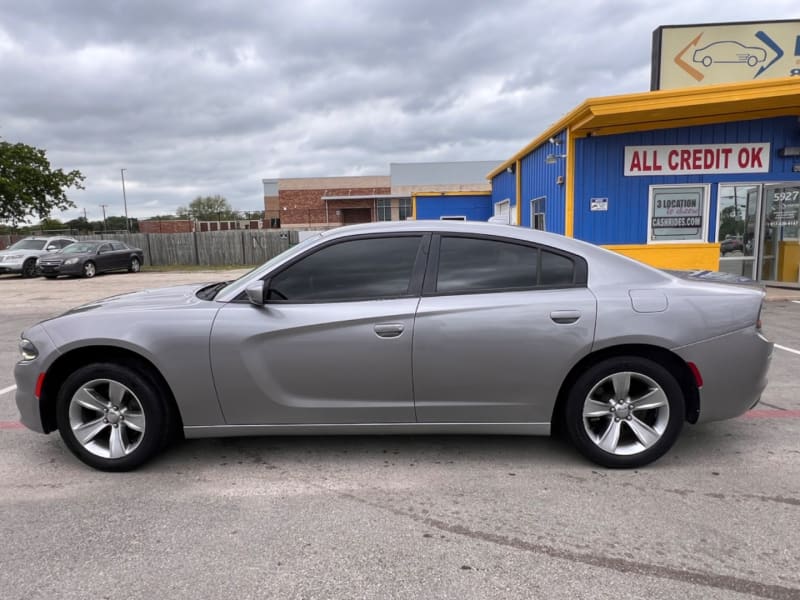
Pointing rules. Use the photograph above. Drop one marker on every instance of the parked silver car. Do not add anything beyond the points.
(401, 328)
(20, 257)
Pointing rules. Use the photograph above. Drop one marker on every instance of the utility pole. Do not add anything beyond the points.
(125, 200)
(105, 226)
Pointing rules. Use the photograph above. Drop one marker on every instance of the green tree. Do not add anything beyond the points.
(29, 186)
(207, 208)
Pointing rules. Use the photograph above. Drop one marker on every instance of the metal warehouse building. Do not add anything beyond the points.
(693, 178)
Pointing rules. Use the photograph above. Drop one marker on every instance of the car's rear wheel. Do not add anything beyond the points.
(112, 417)
(29, 268)
(135, 265)
(624, 412)
(89, 270)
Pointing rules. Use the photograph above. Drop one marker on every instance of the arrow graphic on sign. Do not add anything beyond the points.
(769, 42)
(686, 66)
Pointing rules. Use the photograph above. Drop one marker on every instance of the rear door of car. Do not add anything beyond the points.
(499, 325)
(121, 255)
(332, 344)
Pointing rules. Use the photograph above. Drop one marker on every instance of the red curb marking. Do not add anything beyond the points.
(11, 425)
(771, 414)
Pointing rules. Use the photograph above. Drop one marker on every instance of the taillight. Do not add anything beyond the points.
(758, 318)
(698, 379)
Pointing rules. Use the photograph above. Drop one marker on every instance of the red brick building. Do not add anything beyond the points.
(166, 226)
(324, 202)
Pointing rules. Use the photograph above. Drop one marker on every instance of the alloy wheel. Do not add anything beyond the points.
(106, 418)
(626, 413)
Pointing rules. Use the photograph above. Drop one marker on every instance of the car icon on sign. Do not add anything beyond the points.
(729, 52)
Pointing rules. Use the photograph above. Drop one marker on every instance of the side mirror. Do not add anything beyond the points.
(256, 292)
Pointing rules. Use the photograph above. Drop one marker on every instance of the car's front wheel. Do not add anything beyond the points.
(624, 412)
(135, 265)
(112, 417)
(29, 268)
(89, 270)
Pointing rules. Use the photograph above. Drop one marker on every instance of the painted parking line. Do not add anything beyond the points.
(785, 349)
(8, 389)
(796, 301)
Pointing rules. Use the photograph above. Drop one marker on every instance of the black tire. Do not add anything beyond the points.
(135, 265)
(29, 268)
(143, 393)
(595, 388)
(89, 269)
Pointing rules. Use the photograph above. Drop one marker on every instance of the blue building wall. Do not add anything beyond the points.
(599, 172)
(475, 207)
(504, 187)
(539, 179)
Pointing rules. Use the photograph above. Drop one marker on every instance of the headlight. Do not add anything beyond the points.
(10, 257)
(70, 261)
(27, 350)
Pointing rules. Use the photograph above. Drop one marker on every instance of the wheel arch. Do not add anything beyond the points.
(671, 361)
(78, 357)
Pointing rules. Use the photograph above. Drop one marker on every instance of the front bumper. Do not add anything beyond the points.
(61, 269)
(26, 375)
(734, 370)
(11, 267)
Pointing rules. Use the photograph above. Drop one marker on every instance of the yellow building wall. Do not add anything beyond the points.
(789, 258)
(673, 256)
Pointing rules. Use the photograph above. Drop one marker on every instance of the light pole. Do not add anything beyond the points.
(105, 226)
(125, 200)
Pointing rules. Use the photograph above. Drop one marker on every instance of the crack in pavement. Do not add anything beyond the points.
(621, 565)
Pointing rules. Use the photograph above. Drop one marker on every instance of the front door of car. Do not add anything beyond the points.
(332, 343)
(498, 328)
(105, 258)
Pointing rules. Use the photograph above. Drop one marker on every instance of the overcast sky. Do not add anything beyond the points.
(201, 98)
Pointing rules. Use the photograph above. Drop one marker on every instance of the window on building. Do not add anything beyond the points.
(383, 209)
(353, 270)
(678, 213)
(537, 213)
(405, 208)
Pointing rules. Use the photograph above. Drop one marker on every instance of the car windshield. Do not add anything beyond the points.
(28, 245)
(80, 248)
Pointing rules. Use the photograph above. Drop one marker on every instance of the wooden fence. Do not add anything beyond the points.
(241, 247)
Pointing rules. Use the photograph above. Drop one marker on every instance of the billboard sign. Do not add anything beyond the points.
(693, 55)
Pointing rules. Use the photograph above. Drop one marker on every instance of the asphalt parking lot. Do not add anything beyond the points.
(399, 517)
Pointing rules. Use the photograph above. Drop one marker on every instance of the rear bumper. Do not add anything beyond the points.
(734, 370)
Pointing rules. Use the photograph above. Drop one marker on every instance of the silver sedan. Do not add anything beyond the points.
(403, 328)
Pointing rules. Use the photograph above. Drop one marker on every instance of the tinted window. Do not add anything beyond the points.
(117, 246)
(358, 269)
(104, 248)
(556, 269)
(471, 264)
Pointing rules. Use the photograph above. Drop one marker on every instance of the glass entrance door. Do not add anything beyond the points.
(738, 230)
(780, 257)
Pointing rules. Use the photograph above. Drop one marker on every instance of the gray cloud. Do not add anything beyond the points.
(210, 97)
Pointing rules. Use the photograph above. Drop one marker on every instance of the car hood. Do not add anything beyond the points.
(8, 252)
(152, 299)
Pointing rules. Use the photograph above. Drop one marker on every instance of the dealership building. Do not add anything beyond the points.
(690, 178)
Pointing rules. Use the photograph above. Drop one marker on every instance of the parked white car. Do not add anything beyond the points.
(21, 256)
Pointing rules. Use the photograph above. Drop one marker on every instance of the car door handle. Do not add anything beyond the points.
(389, 330)
(565, 317)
